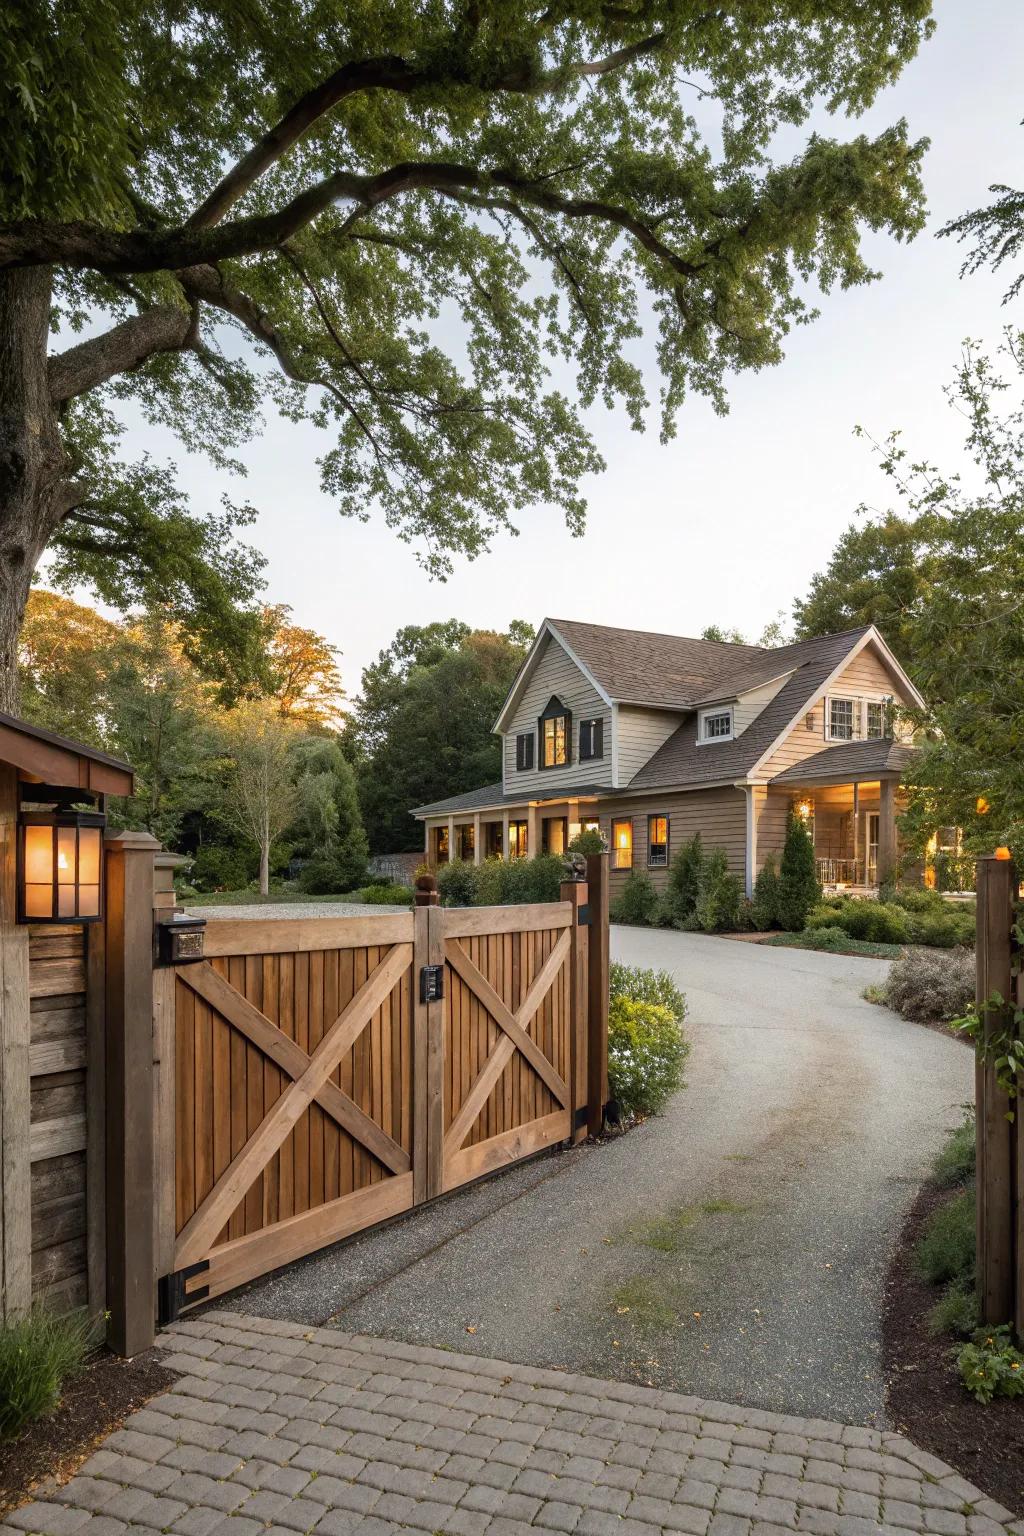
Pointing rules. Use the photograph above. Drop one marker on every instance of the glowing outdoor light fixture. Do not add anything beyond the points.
(60, 866)
(982, 806)
(803, 810)
(1002, 852)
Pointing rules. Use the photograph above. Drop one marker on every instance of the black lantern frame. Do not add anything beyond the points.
(60, 819)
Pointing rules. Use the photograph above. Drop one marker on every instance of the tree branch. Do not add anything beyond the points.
(164, 328)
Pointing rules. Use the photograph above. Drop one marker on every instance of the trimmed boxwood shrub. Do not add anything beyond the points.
(456, 883)
(497, 884)
(388, 895)
(646, 986)
(765, 905)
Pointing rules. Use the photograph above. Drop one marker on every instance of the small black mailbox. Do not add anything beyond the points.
(431, 983)
(180, 939)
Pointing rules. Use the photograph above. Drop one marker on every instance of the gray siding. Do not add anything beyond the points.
(557, 674)
(640, 733)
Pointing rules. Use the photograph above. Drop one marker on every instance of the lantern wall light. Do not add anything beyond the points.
(60, 863)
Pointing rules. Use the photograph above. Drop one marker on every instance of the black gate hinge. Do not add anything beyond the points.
(171, 1294)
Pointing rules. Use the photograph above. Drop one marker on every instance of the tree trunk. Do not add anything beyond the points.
(34, 490)
(265, 867)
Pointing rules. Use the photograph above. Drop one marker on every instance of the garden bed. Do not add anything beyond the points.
(92, 1405)
(926, 1399)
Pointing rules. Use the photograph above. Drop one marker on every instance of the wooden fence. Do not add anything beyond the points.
(317, 1077)
(1000, 1143)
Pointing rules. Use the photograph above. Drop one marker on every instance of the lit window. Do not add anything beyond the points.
(592, 825)
(622, 844)
(717, 726)
(554, 727)
(517, 843)
(874, 720)
(591, 739)
(524, 750)
(840, 719)
(657, 840)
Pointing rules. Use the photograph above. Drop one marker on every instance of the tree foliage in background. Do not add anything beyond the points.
(260, 797)
(997, 231)
(328, 830)
(422, 728)
(396, 221)
(944, 579)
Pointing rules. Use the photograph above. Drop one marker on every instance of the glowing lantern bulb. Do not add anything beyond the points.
(1002, 852)
(981, 805)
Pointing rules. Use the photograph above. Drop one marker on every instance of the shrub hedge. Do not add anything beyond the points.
(495, 883)
(647, 1048)
(931, 986)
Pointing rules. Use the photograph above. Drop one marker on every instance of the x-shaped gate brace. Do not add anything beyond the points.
(310, 1075)
(514, 1037)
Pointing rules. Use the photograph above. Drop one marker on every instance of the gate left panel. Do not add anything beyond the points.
(293, 1093)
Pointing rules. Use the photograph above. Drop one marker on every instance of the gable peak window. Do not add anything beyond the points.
(524, 750)
(716, 725)
(554, 731)
(591, 739)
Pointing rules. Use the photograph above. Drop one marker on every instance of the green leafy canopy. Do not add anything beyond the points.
(435, 228)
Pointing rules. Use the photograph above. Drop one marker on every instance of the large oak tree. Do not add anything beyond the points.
(392, 217)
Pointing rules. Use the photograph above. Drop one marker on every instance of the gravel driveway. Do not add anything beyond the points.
(733, 1247)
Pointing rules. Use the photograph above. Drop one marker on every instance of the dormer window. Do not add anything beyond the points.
(715, 725)
(554, 731)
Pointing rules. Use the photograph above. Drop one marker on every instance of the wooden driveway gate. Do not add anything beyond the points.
(311, 1082)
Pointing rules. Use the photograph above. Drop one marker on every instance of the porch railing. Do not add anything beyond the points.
(840, 871)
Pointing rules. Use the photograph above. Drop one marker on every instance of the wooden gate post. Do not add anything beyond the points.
(997, 1259)
(15, 1081)
(428, 1053)
(131, 1193)
(597, 1017)
(575, 892)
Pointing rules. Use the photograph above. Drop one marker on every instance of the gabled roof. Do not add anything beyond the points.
(684, 760)
(44, 757)
(847, 759)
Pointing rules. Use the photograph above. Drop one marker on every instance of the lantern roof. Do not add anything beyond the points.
(43, 757)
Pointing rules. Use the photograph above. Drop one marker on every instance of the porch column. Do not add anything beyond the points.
(572, 819)
(505, 851)
(532, 832)
(451, 838)
(856, 833)
(426, 840)
(751, 859)
(15, 1076)
(886, 830)
(477, 851)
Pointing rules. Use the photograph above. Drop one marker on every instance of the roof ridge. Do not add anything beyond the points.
(661, 634)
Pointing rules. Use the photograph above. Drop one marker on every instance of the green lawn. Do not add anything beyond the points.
(249, 898)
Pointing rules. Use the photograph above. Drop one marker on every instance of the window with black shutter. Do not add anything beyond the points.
(524, 750)
(591, 739)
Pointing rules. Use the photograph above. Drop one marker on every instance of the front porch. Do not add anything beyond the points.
(510, 831)
(851, 816)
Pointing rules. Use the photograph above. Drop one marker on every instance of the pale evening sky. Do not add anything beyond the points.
(728, 522)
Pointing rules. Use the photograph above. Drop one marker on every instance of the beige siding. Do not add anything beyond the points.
(640, 733)
(866, 676)
(749, 705)
(719, 815)
(556, 674)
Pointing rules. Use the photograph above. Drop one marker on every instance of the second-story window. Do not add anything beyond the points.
(840, 719)
(524, 750)
(874, 719)
(554, 729)
(716, 725)
(591, 739)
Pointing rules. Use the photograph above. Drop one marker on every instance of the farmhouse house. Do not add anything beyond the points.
(651, 738)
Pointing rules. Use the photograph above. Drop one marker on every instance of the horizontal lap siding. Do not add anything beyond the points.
(557, 674)
(58, 1115)
(640, 732)
(719, 815)
(865, 675)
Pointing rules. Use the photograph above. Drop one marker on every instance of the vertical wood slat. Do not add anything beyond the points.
(95, 1121)
(598, 961)
(996, 1180)
(15, 1080)
(164, 1066)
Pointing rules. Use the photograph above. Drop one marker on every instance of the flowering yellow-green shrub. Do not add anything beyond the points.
(646, 1053)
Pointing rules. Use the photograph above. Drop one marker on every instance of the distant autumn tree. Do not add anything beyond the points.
(259, 799)
(65, 654)
(303, 671)
(395, 220)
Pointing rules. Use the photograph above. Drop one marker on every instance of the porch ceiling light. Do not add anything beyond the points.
(60, 866)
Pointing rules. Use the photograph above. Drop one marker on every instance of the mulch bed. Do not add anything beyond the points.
(926, 1400)
(93, 1405)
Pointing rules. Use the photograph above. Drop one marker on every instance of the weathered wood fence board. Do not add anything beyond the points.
(305, 1089)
